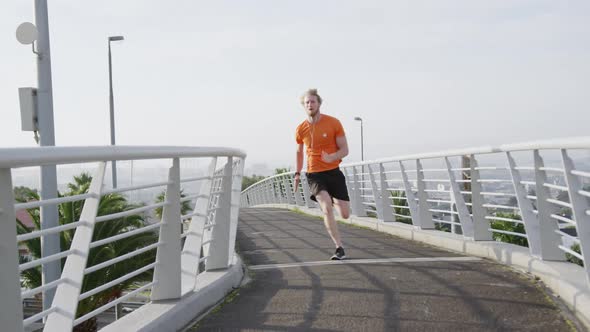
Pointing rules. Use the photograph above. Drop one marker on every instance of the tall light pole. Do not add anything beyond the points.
(362, 143)
(49, 215)
(28, 33)
(112, 106)
(358, 118)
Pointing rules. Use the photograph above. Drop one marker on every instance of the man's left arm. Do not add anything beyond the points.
(340, 154)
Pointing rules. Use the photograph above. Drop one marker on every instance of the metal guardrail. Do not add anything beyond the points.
(538, 192)
(208, 240)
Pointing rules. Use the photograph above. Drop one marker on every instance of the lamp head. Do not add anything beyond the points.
(356, 118)
(116, 38)
(26, 33)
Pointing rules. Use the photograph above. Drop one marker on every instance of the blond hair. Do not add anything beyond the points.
(311, 92)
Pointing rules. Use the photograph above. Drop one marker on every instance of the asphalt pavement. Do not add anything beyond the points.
(385, 284)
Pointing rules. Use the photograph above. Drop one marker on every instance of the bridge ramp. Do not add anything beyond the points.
(386, 284)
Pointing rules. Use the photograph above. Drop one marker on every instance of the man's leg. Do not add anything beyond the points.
(325, 202)
(343, 208)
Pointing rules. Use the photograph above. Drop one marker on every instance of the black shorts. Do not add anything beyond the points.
(332, 181)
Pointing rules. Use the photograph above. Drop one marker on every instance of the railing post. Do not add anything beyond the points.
(211, 212)
(548, 227)
(281, 190)
(219, 248)
(410, 197)
(260, 194)
(11, 314)
(270, 194)
(251, 197)
(380, 193)
(167, 271)
(481, 226)
(255, 196)
(350, 187)
(376, 194)
(464, 217)
(191, 252)
(306, 193)
(276, 190)
(358, 209)
(67, 293)
(297, 192)
(531, 223)
(454, 216)
(265, 193)
(423, 206)
(237, 171)
(288, 192)
(386, 202)
(580, 206)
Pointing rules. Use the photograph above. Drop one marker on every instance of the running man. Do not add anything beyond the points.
(326, 145)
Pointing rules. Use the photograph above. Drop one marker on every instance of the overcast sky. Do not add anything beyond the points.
(424, 75)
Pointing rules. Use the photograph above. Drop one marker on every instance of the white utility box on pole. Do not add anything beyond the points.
(28, 108)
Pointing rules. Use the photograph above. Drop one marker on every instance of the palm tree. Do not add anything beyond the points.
(185, 206)
(70, 212)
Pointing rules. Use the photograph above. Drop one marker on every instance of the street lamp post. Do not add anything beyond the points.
(38, 35)
(112, 107)
(358, 118)
(50, 244)
(362, 144)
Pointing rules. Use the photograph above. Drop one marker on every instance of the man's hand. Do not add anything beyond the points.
(328, 157)
(296, 183)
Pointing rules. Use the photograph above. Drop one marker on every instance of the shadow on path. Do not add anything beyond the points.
(414, 296)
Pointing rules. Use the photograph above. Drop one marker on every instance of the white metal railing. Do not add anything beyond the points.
(535, 194)
(202, 237)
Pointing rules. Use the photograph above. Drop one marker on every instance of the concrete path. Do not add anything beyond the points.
(386, 284)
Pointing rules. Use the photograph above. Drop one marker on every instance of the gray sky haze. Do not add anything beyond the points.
(424, 75)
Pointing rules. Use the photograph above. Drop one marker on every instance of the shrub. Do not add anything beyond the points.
(572, 258)
(509, 226)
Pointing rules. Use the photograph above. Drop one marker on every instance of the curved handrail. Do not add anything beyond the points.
(467, 199)
(562, 143)
(175, 265)
(24, 157)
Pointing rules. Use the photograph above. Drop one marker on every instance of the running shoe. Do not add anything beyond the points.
(339, 254)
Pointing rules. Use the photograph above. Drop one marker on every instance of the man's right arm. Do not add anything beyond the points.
(299, 165)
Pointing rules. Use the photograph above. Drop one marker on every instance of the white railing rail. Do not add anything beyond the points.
(210, 227)
(535, 194)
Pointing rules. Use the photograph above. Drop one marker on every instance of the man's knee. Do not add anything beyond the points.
(345, 214)
(325, 202)
(343, 208)
(327, 208)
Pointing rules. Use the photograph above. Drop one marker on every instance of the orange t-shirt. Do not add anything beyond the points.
(318, 137)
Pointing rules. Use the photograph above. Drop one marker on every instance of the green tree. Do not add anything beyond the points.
(22, 194)
(281, 170)
(509, 226)
(185, 206)
(280, 187)
(247, 181)
(398, 198)
(70, 212)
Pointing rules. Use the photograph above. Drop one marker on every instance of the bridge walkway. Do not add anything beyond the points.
(386, 284)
